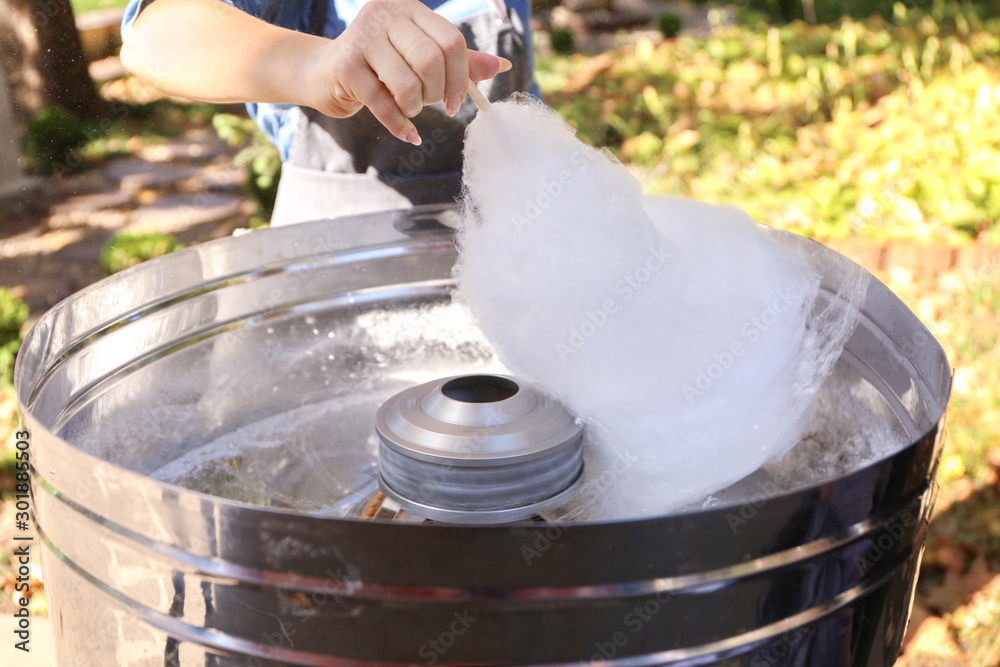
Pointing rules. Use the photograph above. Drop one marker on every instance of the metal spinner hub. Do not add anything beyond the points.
(477, 449)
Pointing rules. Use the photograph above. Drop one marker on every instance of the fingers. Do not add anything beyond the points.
(484, 66)
(425, 58)
(373, 94)
(399, 78)
(456, 56)
(397, 56)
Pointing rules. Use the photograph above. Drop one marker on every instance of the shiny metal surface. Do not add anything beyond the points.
(477, 449)
(152, 364)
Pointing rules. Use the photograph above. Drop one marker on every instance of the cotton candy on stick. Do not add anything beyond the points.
(678, 331)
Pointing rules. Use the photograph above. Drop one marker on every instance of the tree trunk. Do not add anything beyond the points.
(10, 170)
(41, 53)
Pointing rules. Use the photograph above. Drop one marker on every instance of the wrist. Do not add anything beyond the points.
(289, 67)
(312, 75)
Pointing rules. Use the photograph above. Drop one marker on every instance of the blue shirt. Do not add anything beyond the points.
(279, 121)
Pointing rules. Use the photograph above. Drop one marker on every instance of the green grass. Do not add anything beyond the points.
(83, 6)
(830, 11)
(13, 313)
(57, 142)
(125, 250)
(51, 146)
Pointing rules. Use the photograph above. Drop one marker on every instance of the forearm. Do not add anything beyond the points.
(395, 57)
(210, 51)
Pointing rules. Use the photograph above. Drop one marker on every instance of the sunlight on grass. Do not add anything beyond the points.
(82, 6)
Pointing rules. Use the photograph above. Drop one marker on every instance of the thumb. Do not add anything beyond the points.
(484, 66)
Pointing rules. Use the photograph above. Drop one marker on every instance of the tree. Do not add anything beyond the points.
(41, 54)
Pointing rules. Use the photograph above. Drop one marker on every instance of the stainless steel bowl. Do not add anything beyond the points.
(312, 327)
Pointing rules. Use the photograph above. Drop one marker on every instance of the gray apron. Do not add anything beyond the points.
(354, 165)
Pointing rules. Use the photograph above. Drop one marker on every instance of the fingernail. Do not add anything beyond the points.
(504, 64)
(414, 138)
(452, 104)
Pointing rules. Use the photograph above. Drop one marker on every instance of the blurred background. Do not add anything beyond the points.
(870, 125)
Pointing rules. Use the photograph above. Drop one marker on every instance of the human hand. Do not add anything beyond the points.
(394, 58)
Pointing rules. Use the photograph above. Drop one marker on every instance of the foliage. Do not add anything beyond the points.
(875, 129)
(258, 156)
(830, 11)
(968, 321)
(83, 6)
(55, 141)
(562, 41)
(52, 139)
(133, 126)
(124, 250)
(962, 311)
(965, 316)
(13, 313)
(669, 24)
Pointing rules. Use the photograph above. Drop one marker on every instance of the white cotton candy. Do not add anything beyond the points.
(688, 338)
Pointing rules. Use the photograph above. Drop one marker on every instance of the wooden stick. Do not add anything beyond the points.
(478, 97)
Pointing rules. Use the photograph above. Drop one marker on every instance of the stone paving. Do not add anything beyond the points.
(51, 237)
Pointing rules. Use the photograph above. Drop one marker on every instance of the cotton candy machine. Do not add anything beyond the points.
(205, 457)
